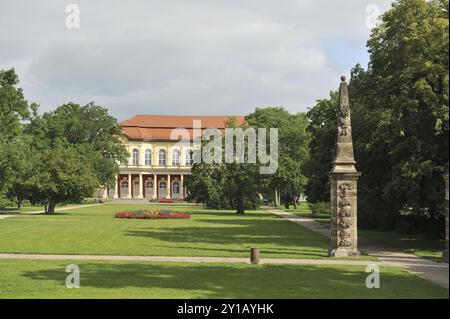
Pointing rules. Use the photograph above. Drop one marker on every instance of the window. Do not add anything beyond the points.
(162, 157)
(148, 157)
(135, 157)
(176, 188)
(189, 157)
(175, 157)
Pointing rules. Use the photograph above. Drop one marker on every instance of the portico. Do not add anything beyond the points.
(146, 185)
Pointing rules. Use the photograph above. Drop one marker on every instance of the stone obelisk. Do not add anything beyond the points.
(343, 182)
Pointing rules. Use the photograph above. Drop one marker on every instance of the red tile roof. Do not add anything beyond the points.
(159, 127)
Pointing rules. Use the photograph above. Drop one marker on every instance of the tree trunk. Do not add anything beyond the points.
(277, 200)
(19, 203)
(51, 206)
(240, 205)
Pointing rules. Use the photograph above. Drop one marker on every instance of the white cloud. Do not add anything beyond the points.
(183, 57)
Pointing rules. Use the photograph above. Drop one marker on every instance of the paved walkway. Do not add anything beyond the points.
(3, 216)
(279, 261)
(427, 269)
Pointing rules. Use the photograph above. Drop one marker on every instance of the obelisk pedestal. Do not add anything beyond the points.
(445, 252)
(343, 183)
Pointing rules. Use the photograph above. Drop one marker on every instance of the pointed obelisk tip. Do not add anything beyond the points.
(343, 78)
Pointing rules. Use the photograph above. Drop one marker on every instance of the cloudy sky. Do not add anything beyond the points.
(205, 57)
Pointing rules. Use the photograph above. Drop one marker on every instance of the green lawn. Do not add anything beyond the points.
(94, 230)
(46, 279)
(27, 209)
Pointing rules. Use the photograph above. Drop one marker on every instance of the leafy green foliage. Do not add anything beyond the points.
(61, 175)
(322, 127)
(60, 156)
(226, 185)
(400, 121)
(320, 208)
(293, 141)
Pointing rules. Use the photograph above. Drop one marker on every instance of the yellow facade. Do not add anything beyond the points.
(147, 167)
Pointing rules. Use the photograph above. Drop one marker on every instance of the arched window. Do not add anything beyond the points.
(162, 157)
(189, 157)
(175, 157)
(176, 188)
(148, 157)
(149, 184)
(135, 157)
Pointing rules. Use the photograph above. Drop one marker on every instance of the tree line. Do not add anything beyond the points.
(61, 156)
(399, 106)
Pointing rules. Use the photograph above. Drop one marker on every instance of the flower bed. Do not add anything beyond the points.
(152, 214)
(167, 201)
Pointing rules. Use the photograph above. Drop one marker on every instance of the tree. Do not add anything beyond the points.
(61, 175)
(21, 160)
(322, 127)
(13, 109)
(227, 185)
(293, 141)
(90, 129)
(13, 106)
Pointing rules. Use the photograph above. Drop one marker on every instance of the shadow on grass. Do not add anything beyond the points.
(238, 281)
(274, 237)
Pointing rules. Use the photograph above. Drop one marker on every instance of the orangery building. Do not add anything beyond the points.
(160, 158)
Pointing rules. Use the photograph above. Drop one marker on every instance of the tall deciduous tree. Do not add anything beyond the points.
(322, 127)
(289, 180)
(13, 109)
(61, 175)
(90, 129)
(227, 185)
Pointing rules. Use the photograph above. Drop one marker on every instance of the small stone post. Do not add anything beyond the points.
(254, 255)
(445, 253)
(343, 182)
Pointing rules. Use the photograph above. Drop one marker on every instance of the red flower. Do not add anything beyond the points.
(153, 215)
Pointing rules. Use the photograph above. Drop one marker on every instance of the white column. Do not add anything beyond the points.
(182, 186)
(169, 187)
(140, 195)
(155, 186)
(116, 187)
(129, 186)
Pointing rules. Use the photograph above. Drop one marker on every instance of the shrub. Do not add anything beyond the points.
(320, 208)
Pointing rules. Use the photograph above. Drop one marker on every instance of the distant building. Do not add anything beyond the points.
(158, 162)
